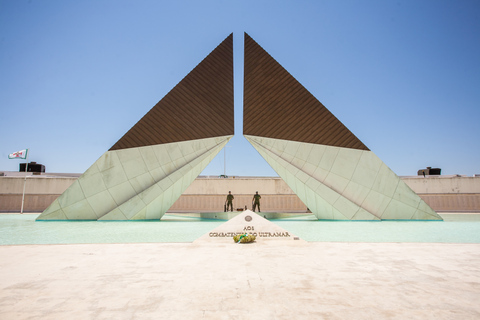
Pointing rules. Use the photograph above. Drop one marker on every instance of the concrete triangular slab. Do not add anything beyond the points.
(322, 161)
(195, 116)
(277, 106)
(251, 223)
(356, 186)
(154, 201)
(200, 106)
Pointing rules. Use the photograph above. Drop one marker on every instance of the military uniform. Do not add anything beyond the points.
(229, 201)
(256, 201)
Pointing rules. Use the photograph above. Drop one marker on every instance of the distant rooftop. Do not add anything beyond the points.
(76, 175)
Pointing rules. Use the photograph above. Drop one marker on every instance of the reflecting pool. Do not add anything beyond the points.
(16, 229)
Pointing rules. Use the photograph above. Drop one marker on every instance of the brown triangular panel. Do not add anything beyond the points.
(200, 106)
(277, 106)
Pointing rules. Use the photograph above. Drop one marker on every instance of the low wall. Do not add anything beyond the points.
(215, 203)
(442, 193)
(443, 184)
(447, 193)
(40, 192)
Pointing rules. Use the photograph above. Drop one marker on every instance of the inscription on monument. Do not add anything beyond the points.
(248, 223)
(250, 230)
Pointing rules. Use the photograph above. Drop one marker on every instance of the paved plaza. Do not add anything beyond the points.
(317, 280)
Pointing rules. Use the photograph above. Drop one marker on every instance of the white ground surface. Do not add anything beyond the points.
(230, 281)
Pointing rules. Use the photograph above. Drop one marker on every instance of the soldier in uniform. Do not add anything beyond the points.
(256, 201)
(229, 200)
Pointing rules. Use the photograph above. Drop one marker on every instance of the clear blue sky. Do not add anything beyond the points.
(403, 76)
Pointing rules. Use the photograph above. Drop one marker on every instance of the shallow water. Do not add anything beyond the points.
(23, 229)
(385, 231)
(18, 229)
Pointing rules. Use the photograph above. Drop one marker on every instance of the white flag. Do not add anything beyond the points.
(22, 154)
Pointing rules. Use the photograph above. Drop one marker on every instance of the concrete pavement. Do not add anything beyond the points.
(239, 281)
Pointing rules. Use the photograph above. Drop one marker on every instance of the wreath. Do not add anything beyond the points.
(244, 238)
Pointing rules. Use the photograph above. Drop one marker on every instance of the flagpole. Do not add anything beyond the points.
(24, 184)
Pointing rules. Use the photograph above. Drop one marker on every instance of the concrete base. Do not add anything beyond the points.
(268, 281)
(248, 222)
(230, 215)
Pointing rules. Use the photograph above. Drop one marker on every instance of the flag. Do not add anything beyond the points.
(22, 154)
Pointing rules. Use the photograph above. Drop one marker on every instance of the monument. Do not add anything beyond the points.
(326, 165)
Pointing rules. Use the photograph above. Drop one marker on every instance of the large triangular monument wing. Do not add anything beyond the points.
(147, 170)
(325, 164)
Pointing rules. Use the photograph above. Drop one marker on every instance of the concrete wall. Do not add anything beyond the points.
(215, 203)
(35, 185)
(208, 195)
(40, 192)
(447, 193)
(443, 184)
(442, 193)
